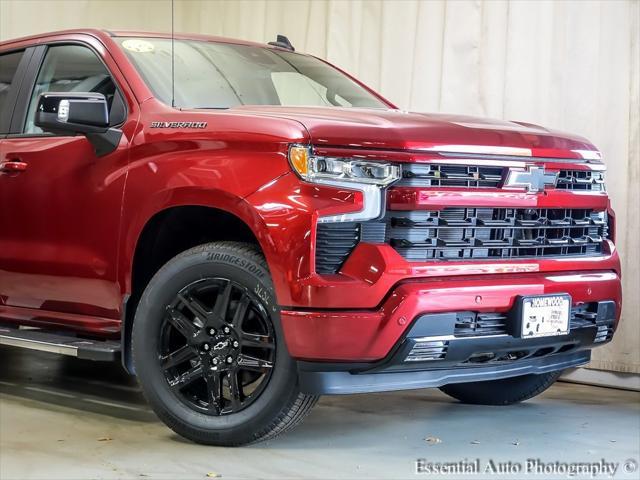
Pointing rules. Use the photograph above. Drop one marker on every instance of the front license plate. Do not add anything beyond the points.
(545, 315)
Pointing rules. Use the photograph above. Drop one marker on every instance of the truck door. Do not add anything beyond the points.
(59, 203)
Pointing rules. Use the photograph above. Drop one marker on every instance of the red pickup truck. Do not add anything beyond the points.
(248, 228)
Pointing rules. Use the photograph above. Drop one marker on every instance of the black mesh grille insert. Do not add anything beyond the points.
(458, 233)
(580, 180)
(435, 175)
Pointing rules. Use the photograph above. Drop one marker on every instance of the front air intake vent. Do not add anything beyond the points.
(472, 324)
(428, 351)
(334, 243)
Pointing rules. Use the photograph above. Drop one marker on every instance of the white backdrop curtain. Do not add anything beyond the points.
(570, 65)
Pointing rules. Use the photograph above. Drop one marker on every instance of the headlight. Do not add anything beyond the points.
(330, 169)
(368, 177)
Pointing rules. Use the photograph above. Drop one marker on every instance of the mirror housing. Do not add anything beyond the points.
(64, 113)
(72, 113)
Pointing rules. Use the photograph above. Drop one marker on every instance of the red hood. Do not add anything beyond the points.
(398, 130)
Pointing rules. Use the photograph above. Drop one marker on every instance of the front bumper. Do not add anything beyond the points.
(429, 356)
(431, 333)
(341, 382)
(371, 335)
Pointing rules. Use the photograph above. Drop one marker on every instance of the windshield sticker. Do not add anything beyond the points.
(138, 46)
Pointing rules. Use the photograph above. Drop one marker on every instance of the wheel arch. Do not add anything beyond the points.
(151, 241)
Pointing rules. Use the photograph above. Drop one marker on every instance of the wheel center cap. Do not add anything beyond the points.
(221, 345)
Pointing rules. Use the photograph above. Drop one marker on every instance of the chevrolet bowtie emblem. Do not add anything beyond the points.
(534, 179)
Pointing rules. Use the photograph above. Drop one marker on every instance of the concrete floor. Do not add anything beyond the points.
(65, 418)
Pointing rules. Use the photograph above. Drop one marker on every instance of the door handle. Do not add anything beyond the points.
(13, 166)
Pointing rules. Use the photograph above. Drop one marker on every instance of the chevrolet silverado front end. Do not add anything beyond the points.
(263, 229)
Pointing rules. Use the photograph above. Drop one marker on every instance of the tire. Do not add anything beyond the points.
(501, 392)
(204, 376)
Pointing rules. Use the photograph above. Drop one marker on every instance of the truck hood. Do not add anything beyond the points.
(399, 130)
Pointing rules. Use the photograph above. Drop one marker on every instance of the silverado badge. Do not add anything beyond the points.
(178, 125)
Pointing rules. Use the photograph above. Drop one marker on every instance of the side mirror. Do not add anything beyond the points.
(84, 113)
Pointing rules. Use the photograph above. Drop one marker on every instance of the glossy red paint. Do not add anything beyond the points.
(418, 132)
(409, 198)
(56, 257)
(69, 258)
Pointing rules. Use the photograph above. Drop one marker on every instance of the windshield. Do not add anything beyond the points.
(222, 75)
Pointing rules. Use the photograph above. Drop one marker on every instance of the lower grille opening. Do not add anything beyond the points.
(604, 333)
(477, 324)
(490, 357)
(470, 324)
(428, 351)
(566, 348)
(511, 356)
(483, 357)
(441, 336)
(543, 351)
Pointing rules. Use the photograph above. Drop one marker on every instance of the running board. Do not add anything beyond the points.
(98, 350)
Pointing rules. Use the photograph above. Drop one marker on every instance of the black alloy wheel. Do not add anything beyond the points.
(217, 346)
(209, 350)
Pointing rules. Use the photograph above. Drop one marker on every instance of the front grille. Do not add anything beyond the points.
(467, 233)
(472, 176)
(581, 180)
(435, 175)
(480, 233)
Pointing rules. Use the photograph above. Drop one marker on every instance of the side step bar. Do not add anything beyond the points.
(98, 350)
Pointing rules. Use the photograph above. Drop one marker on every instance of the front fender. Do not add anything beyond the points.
(198, 173)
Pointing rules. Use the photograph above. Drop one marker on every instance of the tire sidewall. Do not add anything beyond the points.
(221, 261)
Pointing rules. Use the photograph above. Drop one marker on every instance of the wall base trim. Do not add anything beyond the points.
(601, 378)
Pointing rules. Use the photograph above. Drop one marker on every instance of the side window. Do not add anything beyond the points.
(69, 68)
(8, 66)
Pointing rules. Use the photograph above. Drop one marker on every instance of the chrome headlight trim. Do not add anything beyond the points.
(370, 178)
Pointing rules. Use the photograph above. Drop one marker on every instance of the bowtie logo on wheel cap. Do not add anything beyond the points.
(534, 179)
